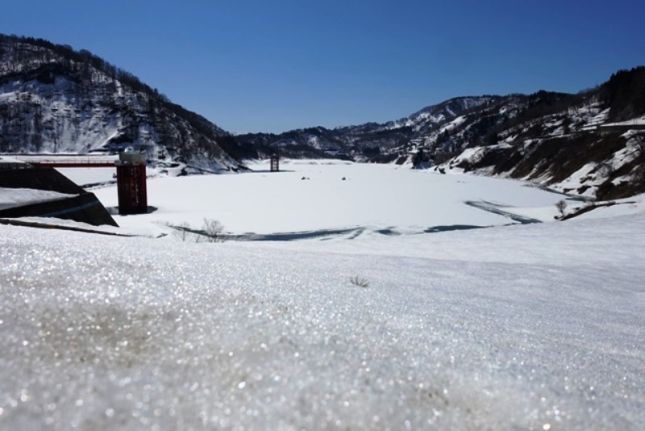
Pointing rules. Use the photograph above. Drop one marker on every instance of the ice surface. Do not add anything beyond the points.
(521, 327)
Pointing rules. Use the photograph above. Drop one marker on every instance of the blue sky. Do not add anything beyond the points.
(251, 65)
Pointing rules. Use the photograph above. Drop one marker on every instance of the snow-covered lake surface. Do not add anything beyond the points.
(312, 195)
(530, 326)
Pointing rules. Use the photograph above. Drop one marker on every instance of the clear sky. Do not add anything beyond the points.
(262, 65)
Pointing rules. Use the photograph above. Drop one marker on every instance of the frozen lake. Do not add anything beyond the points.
(315, 195)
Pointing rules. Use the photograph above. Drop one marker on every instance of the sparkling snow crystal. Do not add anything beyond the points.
(525, 327)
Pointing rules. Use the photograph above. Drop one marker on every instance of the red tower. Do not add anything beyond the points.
(131, 183)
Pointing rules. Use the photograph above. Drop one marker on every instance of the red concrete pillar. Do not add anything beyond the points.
(131, 183)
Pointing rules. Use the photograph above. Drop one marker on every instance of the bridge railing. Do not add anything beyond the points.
(66, 160)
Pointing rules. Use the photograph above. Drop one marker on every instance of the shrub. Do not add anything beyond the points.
(359, 282)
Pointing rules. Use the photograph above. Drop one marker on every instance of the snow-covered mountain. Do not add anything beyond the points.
(376, 142)
(590, 144)
(577, 143)
(55, 99)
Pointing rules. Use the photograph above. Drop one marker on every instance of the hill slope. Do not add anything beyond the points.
(570, 142)
(55, 99)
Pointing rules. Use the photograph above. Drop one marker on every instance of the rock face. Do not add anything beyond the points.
(55, 99)
(590, 143)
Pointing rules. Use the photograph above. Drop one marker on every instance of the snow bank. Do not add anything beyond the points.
(523, 327)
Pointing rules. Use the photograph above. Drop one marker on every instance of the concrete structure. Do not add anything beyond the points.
(130, 168)
(11, 163)
(275, 163)
(75, 203)
(131, 183)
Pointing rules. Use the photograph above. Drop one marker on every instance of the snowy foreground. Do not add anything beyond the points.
(535, 326)
(522, 327)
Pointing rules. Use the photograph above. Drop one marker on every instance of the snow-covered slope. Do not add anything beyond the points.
(577, 143)
(591, 144)
(536, 327)
(55, 99)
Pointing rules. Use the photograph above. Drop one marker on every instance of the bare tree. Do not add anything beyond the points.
(212, 230)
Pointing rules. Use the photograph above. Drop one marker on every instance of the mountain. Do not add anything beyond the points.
(367, 142)
(56, 99)
(589, 144)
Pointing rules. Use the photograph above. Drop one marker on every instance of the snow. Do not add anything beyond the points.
(633, 122)
(597, 119)
(16, 197)
(470, 155)
(518, 327)
(77, 128)
(4, 159)
(101, 177)
(453, 124)
(372, 197)
(594, 174)
(52, 222)
(621, 207)
(89, 176)
(580, 177)
(71, 115)
(530, 326)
